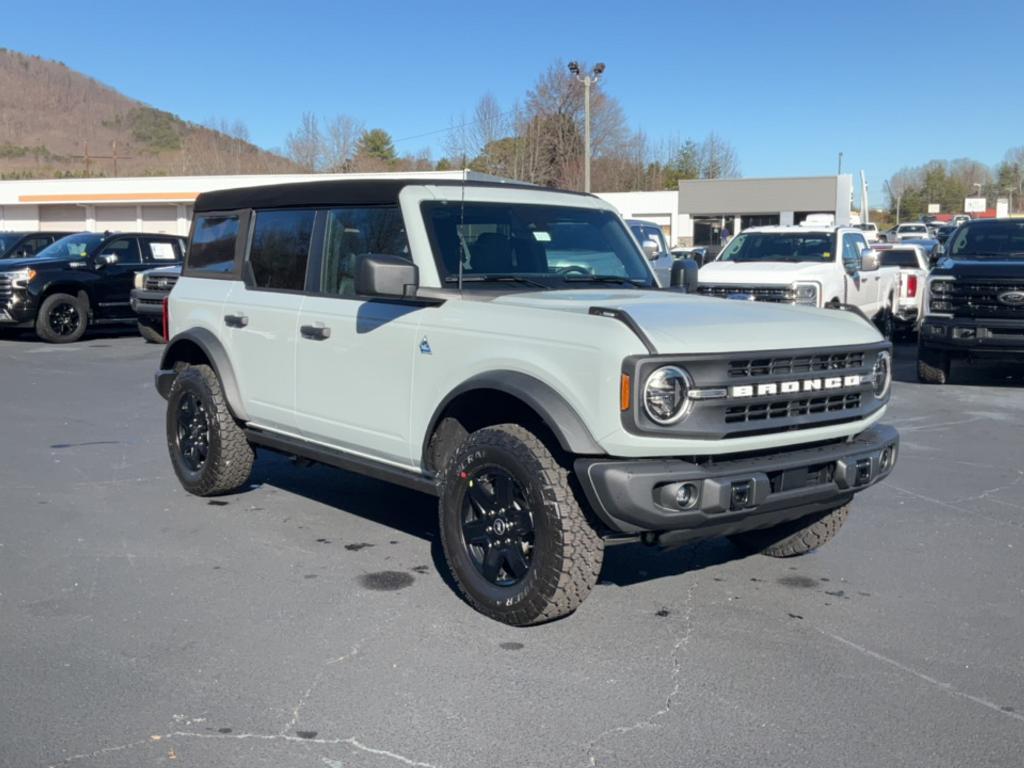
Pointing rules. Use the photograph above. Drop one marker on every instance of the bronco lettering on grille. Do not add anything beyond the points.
(792, 387)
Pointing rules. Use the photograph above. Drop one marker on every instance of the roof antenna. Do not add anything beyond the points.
(463, 248)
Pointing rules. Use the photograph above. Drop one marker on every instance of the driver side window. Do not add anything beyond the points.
(852, 245)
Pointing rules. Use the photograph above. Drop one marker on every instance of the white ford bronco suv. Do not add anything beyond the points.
(507, 349)
(813, 266)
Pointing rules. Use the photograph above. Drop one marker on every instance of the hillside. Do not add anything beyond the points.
(51, 117)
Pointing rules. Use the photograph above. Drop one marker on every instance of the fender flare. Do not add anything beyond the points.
(214, 351)
(558, 416)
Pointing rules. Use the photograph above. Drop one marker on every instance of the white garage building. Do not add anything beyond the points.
(159, 204)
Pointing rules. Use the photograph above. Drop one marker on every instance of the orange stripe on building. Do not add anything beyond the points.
(108, 197)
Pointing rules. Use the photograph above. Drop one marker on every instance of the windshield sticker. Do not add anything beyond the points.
(826, 255)
(542, 237)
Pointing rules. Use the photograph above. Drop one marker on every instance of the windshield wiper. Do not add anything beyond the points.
(636, 282)
(498, 279)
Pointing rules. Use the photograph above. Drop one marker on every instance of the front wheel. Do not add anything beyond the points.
(797, 537)
(150, 334)
(209, 451)
(932, 367)
(514, 534)
(62, 318)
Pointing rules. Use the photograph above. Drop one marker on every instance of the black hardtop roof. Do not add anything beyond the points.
(335, 192)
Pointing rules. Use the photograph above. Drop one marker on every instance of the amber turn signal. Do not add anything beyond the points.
(625, 396)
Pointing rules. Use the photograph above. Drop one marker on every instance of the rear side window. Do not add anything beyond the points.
(280, 249)
(213, 244)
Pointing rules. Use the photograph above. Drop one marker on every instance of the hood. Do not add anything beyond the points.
(981, 268)
(681, 323)
(760, 273)
(13, 265)
(172, 269)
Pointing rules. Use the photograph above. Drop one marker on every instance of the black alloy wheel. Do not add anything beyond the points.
(64, 318)
(497, 526)
(193, 431)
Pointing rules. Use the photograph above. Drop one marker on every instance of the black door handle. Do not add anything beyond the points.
(236, 321)
(315, 332)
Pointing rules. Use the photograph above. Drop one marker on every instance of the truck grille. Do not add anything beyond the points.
(159, 282)
(980, 298)
(788, 409)
(5, 289)
(777, 294)
(769, 366)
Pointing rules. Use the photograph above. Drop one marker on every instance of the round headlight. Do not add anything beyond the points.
(666, 394)
(881, 375)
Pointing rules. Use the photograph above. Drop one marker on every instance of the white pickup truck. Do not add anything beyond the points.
(912, 262)
(813, 266)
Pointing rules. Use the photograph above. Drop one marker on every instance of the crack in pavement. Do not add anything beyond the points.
(648, 722)
(312, 687)
(947, 687)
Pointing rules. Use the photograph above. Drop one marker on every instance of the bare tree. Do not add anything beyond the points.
(305, 145)
(339, 143)
(718, 158)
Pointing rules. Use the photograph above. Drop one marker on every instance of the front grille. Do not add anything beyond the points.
(837, 362)
(789, 409)
(979, 298)
(5, 289)
(776, 294)
(159, 282)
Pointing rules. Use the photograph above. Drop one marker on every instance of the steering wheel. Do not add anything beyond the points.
(574, 269)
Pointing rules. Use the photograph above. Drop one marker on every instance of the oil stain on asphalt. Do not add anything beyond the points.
(801, 582)
(386, 581)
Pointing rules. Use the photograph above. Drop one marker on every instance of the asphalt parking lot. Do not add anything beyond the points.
(305, 622)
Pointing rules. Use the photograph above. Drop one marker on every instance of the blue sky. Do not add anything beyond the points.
(789, 84)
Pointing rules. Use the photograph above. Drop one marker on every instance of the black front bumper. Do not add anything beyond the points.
(20, 309)
(734, 495)
(973, 337)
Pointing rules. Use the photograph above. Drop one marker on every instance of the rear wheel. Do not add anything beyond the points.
(797, 537)
(62, 318)
(514, 534)
(886, 324)
(208, 449)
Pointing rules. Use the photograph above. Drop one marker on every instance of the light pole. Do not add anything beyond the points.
(587, 80)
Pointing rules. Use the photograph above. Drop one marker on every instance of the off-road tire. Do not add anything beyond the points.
(886, 324)
(797, 537)
(567, 550)
(932, 367)
(151, 335)
(230, 457)
(48, 331)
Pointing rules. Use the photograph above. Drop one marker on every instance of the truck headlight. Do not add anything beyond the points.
(138, 281)
(22, 277)
(806, 294)
(667, 394)
(881, 375)
(940, 291)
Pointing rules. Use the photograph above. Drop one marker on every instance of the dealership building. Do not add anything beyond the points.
(701, 210)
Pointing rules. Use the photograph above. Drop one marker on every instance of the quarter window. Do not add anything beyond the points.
(352, 232)
(280, 249)
(213, 244)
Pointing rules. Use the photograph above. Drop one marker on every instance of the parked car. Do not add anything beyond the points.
(960, 218)
(701, 254)
(25, 245)
(507, 349)
(147, 300)
(655, 247)
(78, 281)
(909, 230)
(815, 267)
(974, 304)
(870, 231)
(912, 261)
(932, 248)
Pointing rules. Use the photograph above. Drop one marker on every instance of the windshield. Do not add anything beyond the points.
(779, 246)
(1001, 239)
(70, 247)
(899, 258)
(543, 245)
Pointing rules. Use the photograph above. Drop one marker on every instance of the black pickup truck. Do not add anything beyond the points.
(80, 280)
(974, 306)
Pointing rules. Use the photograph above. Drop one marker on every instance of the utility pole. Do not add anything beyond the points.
(112, 156)
(587, 80)
(839, 172)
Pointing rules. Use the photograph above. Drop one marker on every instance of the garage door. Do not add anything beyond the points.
(62, 218)
(116, 218)
(160, 219)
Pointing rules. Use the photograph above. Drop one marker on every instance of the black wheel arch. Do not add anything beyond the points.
(200, 346)
(509, 387)
(71, 288)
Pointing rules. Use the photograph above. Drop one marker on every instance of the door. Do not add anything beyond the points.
(261, 316)
(355, 357)
(114, 286)
(861, 287)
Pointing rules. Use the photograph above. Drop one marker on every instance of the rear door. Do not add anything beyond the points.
(261, 315)
(355, 357)
(115, 284)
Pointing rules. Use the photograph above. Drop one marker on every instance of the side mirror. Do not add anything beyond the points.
(684, 275)
(381, 274)
(651, 249)
(106, 260)
(869, 261)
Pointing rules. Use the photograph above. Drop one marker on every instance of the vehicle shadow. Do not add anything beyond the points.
(979, 373)
(415, 514)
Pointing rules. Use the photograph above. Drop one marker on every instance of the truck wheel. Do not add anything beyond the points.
(886, 324)
(932, 367)
(514, 534)
(62, 318)
(208, 449)
(152, 335)
(797, 537)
